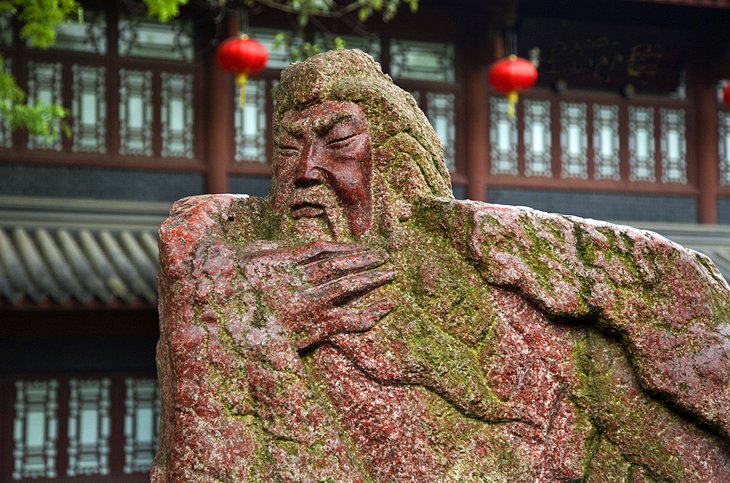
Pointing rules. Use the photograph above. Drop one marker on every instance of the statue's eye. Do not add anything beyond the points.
(287, 150)
(341, 141)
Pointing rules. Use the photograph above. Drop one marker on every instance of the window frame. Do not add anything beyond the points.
(591, 98)
(20, 54)
(117, 413)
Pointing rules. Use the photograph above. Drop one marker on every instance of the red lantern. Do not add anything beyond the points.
(726, 94)
(242, 57)
(512, 75)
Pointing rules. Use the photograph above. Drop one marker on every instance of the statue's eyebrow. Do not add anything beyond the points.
(321, 125)
(325, 123)
(294, 128)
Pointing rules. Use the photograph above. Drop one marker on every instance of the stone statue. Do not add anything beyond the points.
(360, 324)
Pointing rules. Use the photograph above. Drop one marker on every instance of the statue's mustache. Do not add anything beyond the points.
(319, 196)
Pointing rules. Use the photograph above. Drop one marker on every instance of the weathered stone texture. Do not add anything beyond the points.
(362, 325)
(531, 376)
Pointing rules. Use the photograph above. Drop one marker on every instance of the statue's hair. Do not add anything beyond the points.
(392, 113)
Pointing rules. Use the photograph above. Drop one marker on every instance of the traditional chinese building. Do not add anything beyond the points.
(625, 124)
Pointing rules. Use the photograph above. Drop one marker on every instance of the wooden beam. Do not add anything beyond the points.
(219, 121)
(704, 84)
(477, 122)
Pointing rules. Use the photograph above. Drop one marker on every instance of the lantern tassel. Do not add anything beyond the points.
(241, 80)
(511, 103)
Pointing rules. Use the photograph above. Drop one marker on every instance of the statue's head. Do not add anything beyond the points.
(351, 148)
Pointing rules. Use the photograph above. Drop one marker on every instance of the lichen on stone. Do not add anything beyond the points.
(508, 345)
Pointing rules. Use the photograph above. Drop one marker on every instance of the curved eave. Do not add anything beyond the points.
(75, 255)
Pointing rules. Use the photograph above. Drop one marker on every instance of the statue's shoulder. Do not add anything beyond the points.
(564, 261)
(213, 213)
(205, 220)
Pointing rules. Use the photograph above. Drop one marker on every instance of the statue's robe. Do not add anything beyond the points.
(523, 346)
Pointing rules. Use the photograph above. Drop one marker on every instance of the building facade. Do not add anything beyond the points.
(625, 124)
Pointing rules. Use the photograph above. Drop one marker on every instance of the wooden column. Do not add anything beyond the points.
(707, 158)
(219, 127)
(477, 122)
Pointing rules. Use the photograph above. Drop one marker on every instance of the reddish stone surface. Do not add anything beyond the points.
(362, 325)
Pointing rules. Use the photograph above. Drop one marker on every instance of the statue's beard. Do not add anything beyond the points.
(314, 213)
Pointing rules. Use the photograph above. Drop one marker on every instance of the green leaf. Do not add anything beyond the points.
(41, 18)
(281, 39)
(7, 6)
(339, 43)
(364, 13)
(390, 10)
(40, 119)
(302, 19)
(164, 10)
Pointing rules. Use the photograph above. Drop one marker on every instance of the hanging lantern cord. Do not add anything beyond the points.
(512, 97)
(241, 80)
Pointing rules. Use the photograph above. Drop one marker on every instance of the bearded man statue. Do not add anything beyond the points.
(360, 324)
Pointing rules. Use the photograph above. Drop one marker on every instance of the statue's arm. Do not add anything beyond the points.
(668, 306)
(203, 436)
(237, 402)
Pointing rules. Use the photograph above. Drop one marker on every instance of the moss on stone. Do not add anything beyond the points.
(626, 418)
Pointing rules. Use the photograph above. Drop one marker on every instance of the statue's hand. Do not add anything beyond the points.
(314, 289)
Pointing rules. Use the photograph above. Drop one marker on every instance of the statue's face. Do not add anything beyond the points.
(323, 164)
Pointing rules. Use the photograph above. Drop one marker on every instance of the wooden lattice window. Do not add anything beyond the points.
(537, 138)
(128, 83)
(606, 145)
(723, 136)
(577, 139)
(503, 137)
(98, 426)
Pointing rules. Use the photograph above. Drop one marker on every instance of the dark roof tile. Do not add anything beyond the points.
(16, 271)
(60, 266)
(78, 267)
(85, 273)
(70, 253)
(37, 266)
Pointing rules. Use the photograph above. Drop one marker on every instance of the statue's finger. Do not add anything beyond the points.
(325, 270)
(320, 250)
(340, 291)
(350, 319)
(376, 311)
(345, 320)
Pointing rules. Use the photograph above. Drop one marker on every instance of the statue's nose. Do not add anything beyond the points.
(309, 172)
